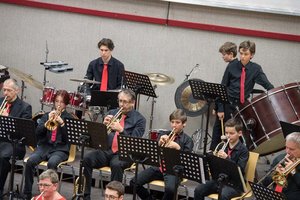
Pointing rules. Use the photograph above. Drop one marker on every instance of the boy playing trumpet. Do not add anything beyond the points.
(179, 141)
(234, 151)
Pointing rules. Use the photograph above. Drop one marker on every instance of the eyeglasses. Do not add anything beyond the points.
(124, 101)
(110, 197)
(46, 185)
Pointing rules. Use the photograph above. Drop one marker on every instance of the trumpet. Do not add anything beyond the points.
(52, 124)
(77, 189)
(225, 144)
(171, 138)
(3, 105)
(116, 118)
(280, 178)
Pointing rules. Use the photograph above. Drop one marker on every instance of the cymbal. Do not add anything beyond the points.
(160, 79)
(27, 78)
(85, 80)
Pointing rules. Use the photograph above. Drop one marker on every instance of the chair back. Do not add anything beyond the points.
(250, 168)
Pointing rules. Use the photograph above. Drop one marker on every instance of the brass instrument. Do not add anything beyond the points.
(281, 178)
(116, 118)
(223, 138)
(171, 138)
(52, 124)
(76, 185)
(225, 144)
(3, 105)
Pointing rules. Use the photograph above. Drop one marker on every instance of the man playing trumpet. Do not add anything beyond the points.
(177, 139)
(234, 151)
(12, 106)
(131, 123)
(51, 134)
(288, 172)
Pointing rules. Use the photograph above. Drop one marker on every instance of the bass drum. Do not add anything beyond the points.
(184, 100)
(263, 114)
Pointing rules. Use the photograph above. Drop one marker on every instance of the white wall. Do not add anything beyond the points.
(143, 48)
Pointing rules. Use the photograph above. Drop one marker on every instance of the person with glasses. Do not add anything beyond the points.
(48, 185)
(115, 190)
(132, 123)
(11, 106)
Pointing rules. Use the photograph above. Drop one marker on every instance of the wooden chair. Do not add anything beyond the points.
(60, 167)
(107, 170)
(161, 183)
(249, 176)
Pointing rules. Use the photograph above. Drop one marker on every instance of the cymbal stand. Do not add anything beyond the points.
(45, 69)
(152, 109)
(189, 74)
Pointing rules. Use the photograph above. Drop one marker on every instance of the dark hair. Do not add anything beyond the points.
(64, 94)
(106, 42)
(116, 186)
(178, 114)
(129, 93)
(236, 123)
(228, 47)
(248, 45)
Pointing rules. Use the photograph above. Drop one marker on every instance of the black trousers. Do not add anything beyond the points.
(99, 158)
(6, 151)
(229, 110)
(38, 156)
(153, 173)
(211, 187)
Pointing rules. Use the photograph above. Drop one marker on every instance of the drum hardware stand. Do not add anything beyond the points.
(130, 152)
(189, 74)
(140, 84)
(16, 131)
(23, 86)
(211, 92)
(152, 111)
(85, 134)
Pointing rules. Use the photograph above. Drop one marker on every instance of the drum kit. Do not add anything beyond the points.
(261, 115)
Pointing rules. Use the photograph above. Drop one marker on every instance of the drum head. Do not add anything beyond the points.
(184, 100)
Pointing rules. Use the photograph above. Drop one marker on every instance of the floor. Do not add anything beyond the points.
(67, 187)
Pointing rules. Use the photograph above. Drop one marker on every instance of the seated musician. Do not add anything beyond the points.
(53, 145)
(12, 106)
(236, 152)
(290, 186)
(182, 142)
(48, 185)
(131, 124)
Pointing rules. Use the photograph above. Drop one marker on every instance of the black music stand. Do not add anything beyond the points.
(16, 131)
(140, 84)
(146, 152)
(210, 92)
(183, 164)
(263, 193)
(105, 99)
(85, 134)
(225, 172)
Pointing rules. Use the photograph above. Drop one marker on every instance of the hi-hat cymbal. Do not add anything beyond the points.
(27, 78)
(84, 80)
(160, 79)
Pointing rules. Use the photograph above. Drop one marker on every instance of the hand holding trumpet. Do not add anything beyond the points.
(168, 141)
(113, 124)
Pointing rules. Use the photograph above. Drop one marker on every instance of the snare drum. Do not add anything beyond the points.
(48, 95)
(76, 100)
